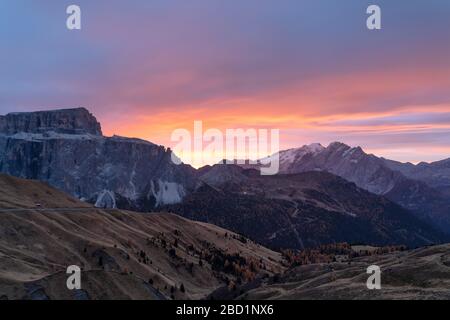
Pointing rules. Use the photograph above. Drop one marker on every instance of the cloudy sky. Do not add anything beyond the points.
(308, 67)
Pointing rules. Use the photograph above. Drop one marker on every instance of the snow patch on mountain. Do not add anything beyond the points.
(106, 199)
(290, 156)
(348, 152)
(314, 148)
(167, 192)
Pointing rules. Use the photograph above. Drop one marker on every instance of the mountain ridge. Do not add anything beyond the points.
(66, 149)
(376, 175)
(74, 120)
(300, 210)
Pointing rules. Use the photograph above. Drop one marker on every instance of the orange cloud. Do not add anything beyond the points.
(343, 106)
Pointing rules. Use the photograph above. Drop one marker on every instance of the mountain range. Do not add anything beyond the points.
(66, 148)
(221, 231)
(300, 210)
(161, 256)
(420, 188)
(356, 197)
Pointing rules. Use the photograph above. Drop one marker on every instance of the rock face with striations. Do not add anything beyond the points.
(66, 149)
(71, 121)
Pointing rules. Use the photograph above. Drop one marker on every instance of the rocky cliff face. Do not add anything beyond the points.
(72, 121)
(66, 149)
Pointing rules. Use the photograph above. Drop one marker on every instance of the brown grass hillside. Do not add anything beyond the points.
(123, 255)
(21, 193)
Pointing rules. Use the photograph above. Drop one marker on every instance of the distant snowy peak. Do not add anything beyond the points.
(316, 157)
(337, 148)
(288, 157)
(294, 154)
(345, 151)
(314, 147)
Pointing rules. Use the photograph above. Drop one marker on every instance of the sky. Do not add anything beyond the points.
(310, 68)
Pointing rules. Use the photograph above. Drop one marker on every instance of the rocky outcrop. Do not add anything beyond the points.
(65, 148)
(71, 121)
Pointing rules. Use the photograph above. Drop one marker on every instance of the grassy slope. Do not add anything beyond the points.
(418, 274)
(36, 246)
